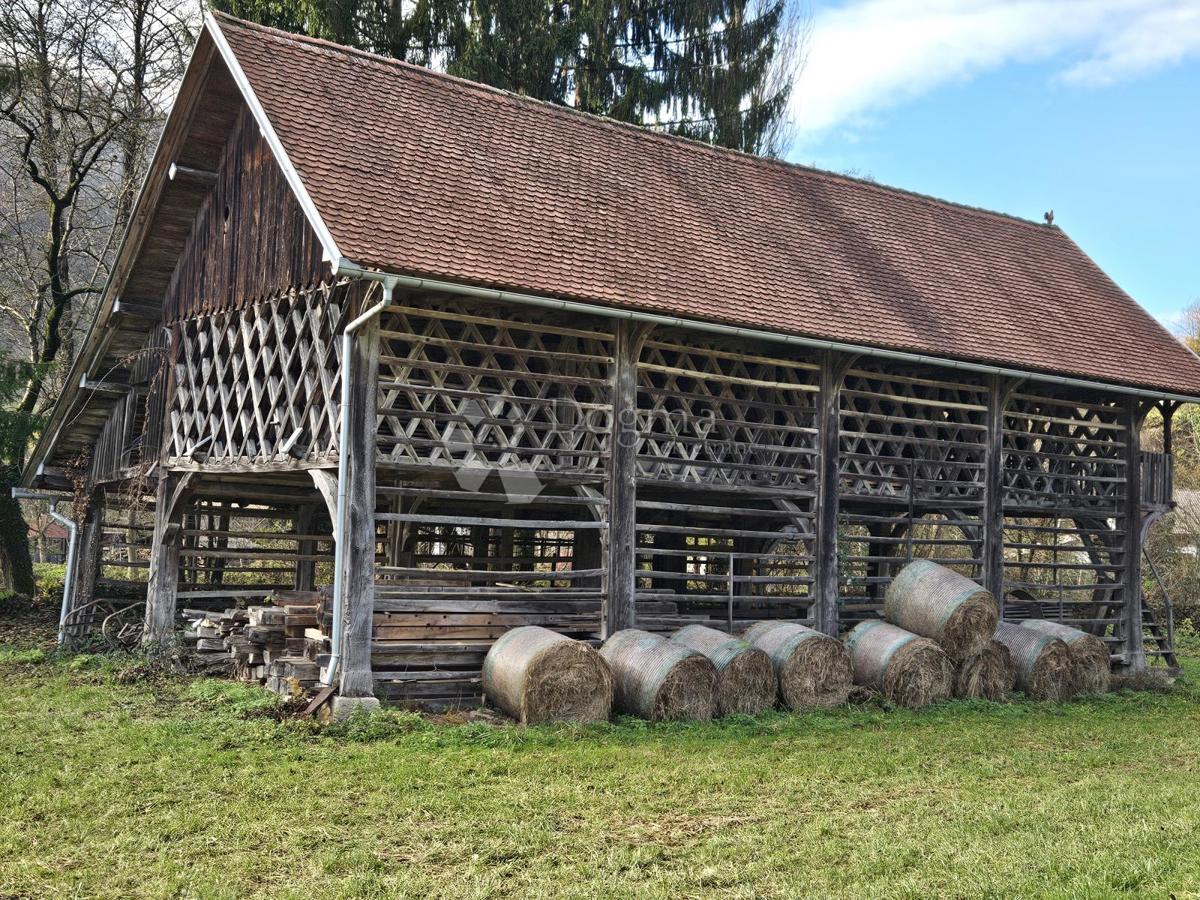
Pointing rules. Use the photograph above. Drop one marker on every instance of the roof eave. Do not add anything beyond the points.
(210, 44)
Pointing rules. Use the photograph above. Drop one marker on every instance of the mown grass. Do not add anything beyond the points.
(113, 784)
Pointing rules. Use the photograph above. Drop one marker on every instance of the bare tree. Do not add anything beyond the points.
(1188, 327)
(84, 85)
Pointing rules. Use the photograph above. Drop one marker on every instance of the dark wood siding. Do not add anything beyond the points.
(250, 239)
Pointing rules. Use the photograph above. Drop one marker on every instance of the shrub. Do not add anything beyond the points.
(49, 578)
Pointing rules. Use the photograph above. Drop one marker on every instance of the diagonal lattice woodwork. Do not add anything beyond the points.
(477, 393)
(1063, 452)
(720, 416)
(259, 383)
(909, 434)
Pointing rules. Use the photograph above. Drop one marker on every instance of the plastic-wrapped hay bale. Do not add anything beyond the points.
(938, 603)
(1044, 667)
(745, 676)
(537, 675)
(813, 669)
(909, 670)
(658, 679)
(990, 674)
(1089, 654)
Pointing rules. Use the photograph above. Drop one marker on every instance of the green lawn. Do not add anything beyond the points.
(115, 786)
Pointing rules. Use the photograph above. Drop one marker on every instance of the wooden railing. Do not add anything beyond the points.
(1157, 479)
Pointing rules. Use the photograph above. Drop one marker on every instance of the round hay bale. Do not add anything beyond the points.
(1045, 670)
(988, 675)
(813, 669)
(745, 676)
(537, 675)
(935, 602)
(1089, 654)
(909, 670)
(658, 679)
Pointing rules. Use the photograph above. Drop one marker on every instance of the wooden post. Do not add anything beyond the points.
(620, 607)
(87, 565)
(673, 563)
(358, 573)
(993, 490)
(163, 582)
(824, 608)
(1131, 614)
(588, 554)
(305, 571)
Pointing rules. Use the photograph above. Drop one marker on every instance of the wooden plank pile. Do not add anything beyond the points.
(276, 645)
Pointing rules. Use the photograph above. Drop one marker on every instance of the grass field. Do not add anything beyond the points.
(115, 785)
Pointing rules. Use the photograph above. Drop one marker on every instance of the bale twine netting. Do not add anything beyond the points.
(990, 674)
(658, 679)
(813, 669)
(537, 675)
(1089, 655)
(909, 670)
(938, 603)
(1044, 667)
(745, 676)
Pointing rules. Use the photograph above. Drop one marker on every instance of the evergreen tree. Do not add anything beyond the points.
(715, 70)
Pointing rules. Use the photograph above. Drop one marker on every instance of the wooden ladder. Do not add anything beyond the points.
(1164, 638)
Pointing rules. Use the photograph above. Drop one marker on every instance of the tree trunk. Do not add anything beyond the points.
(16, 565)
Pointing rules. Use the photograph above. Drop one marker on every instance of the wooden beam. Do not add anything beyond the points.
(620, 609)
(1000, 391)
(824, 609)
(109, 388)
(178, 172)
(136, 308)
(163, 582)
(305, 569)
(1131, 613)
(326, 482)
(358, 573)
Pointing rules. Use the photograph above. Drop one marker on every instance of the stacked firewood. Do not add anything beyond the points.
(275, 645)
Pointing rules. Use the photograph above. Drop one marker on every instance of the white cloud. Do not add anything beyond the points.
(868, 55)
(1161, 36)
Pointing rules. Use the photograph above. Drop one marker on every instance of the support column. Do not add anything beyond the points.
(620, 610)
(358, 574)
(1131, 613)
(824, 609)
(993, 490)
(305, 572)
(87, 566)
(163, 582)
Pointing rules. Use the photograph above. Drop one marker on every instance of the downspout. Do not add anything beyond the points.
(68, 580)
(72, 541)
(339, 527)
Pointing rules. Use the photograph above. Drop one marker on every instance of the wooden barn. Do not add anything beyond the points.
(451, 361)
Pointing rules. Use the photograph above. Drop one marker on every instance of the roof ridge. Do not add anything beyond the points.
(643, 132)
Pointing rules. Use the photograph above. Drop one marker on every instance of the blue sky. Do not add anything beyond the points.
(1089, 107)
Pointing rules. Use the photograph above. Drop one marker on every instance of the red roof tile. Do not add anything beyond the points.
(420, 173)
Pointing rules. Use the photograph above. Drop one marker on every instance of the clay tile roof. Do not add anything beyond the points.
(420, 173)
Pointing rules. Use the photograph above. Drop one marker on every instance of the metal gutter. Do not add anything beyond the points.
(348, 269)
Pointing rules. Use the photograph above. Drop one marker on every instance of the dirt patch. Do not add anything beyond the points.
(28, 623)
